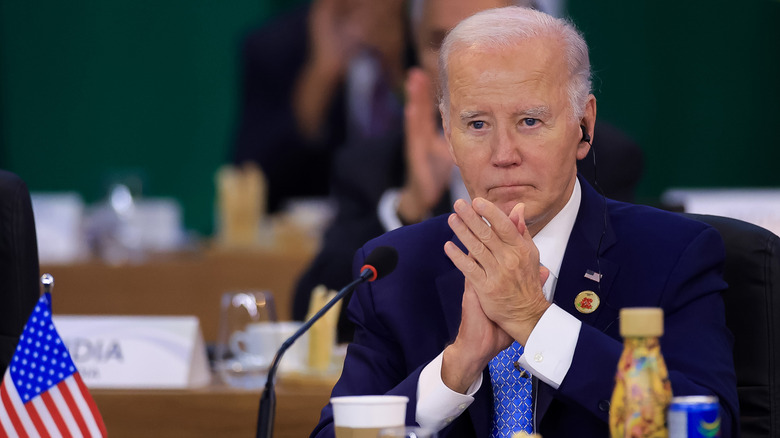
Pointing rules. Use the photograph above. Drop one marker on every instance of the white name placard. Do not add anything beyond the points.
(760, 206)
(136, 351)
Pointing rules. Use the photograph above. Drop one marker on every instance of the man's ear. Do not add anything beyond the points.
(587, 125)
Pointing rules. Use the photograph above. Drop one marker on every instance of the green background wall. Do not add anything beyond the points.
(93, 89)
(697, 83)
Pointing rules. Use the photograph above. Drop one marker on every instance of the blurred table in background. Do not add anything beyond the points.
(214, 411)
(179, 284)
(192, 283)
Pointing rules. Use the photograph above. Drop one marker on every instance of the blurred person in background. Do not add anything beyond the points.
(379, 186)
(317, 77)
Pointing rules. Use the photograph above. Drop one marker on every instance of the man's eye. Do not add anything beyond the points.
(530, 122)
(477, 124)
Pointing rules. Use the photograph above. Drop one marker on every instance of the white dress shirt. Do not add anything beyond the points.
(387, 209)
(550, 347)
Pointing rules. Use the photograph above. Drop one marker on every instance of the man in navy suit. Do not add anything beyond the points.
(512, 266)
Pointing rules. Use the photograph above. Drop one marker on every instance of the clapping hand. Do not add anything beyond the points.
(503, 298)
(428, 161)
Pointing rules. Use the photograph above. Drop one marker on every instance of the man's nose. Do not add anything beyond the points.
(505, 150)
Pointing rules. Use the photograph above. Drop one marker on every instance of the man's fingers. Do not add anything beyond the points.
(475, 247)
(467, 265)
(473, 220)
(544, 273)
(482, 232)
(500, 224)
(423, 85)
(517, 216)
(419, 110)
(416, 89)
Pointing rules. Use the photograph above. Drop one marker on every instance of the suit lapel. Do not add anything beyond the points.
(590, 238)
(450, 288)
(581, 256)
(449, 285)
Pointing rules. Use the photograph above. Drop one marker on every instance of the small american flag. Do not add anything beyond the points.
(591, 275)
(42, 393)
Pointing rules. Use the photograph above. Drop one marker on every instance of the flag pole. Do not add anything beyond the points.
(47, 280)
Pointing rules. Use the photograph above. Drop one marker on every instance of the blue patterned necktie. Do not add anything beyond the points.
(512, 399)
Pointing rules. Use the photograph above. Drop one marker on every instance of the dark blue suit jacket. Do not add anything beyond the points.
(647, 258)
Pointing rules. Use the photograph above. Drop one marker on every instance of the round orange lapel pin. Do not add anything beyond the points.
(586, 301)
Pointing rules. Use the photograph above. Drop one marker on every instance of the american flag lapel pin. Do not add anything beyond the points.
(595, 276)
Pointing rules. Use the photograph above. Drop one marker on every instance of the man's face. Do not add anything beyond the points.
(511, 131)
(438, 18)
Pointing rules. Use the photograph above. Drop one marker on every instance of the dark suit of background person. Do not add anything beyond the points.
(647, 258)
(268, 132)
(19, 288)
(295, 151)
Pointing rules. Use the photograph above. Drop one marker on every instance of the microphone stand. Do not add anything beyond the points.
(267, 410)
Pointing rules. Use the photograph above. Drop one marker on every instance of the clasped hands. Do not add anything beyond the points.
(502, 298)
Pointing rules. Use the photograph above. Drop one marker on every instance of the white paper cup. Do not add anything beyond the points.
(365, 415)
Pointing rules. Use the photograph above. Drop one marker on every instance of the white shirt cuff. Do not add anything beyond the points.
(550, 348)
(387, 209)
(438, 405)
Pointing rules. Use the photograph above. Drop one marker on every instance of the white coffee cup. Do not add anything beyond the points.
(256, 345)
(365, 415)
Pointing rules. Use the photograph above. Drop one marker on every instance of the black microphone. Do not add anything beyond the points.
(380, 262)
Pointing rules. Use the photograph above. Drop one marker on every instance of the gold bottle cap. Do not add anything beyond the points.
(641, 321)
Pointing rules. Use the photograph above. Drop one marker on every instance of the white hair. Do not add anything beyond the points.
(417, 8)
(505, 27)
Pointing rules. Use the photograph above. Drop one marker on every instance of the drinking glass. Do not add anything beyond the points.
(247, 339)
